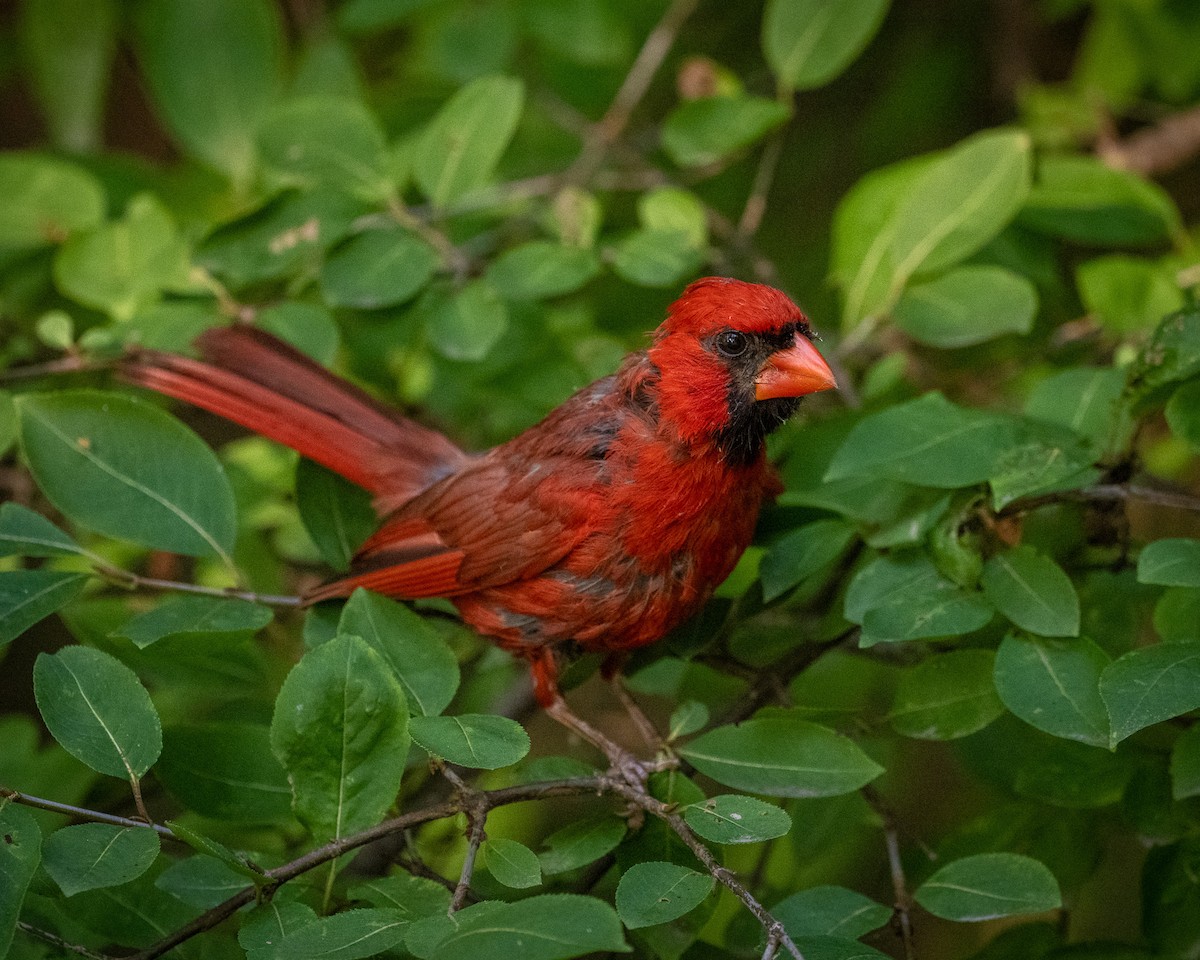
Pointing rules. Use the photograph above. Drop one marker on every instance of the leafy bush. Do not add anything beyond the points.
(954, 684)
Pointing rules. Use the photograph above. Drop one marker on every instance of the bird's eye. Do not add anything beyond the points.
(732, 344)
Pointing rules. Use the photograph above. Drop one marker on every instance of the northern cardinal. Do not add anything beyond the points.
(603, 526)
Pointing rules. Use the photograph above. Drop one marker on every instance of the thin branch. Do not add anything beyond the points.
(59, 942)
(1167, 145)
(80, 813)
(72, 363)
(891, 839)
(135, 581)
(756, 203)
(1105, 492)
(476, 809)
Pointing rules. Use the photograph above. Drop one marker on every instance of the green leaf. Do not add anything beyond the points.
(213, 69)
(27, 596)
(1185, 764)
(337, 514)
(1177, 614)
(98, 710)
(654, 892)
(340, 731)
(200, 881)
(269, 922)
(378, 268)
(1040, 458)
(961, 202)
(802, 553)
(581, 842)
(465, 324)
(967, 306)
(187, 615)
(701, 132)
(1033, 592)
(459, 150)
(782, 756)
(836, 948)
(477, 740)
(947, 696)
(127, 469)
(687, 718)
(809, 42)
(1183, 414)
(212, 850)
(656, 258)
(1082, 200)
(20, 854)
(1054, 685)
(306, 326)
(226, 771)
(1087, 400)
(1171, 355)
(8, 422)
(989, 886)
(1173, 562)
(417, 655)
(71, 89)
(512, 864)
(1149, 685)
(1127, 294)
(548, 927)
(92, 855)
(46, 201)
(733, 818)
(351, 935)
(327, 142)
(673, 209)
(540, 269)
(412, 897)
(830, 911)
(124, 266)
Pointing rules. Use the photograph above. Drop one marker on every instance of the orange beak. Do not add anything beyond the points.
(793, 372)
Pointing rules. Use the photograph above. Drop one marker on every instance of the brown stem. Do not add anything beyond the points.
(1105, 492)
(134, 581)
(80, 813)
(756, 203)
(1168, 144)
(476, 808)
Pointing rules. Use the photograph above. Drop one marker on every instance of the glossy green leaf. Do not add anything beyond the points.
(1054, 685)
(782, 756)
(581, 842)
(200, 881)
(1127, 294)
(20, 854)
(967, 306)
(549, 927)
(947, 696)
(1149, 685)
(1183, 414)
(465, 324)
(378, 268)
(1185, 764)
(191, 614)
(46, 201)
(701, 132)
(127, 469)
(477, 740)
(733, 818)
(27, 596)
(989, 886)
(92, 855)
(655, 892)
(1033, 592)
(539, 269)
(98, 710)
(1173, 562)
(417, 655)
(511, 863)
(337, 514)
(459, 150)
(809, 42)
(350, 935)
(802, 553)
(327, 142)
(340, 731)
(961, 202)
(830, 911)
(213, 69)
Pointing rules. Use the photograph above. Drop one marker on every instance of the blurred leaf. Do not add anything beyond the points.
(417, 655)
(674, 209)
(27, 596)
(801, 553)
(809, 42)
(8, 422)
(200, 881)
(46, 201)
(307, 327)
(98, 710)
(988, 886)
(1149, 685)
(1171, 355)
(378, 268)
(191, 614)
(947, 696)
(127, 469)
(213, 68)
(967, 306)
(656, 257)
(1033, 592)
(327, 142)
(340, 731)
(733, 818)
(589, 32)
(371, 16)
(700, 132)
(1173, 562)
(91, 855)
(652, 893)
(548, 927)
(830, 911)
(512, 864)
(1183, 414)
(1054, 685)
(687, 718)
(782, 756)
(226, 771)
(466, 324)
(351, 935)
(581, 842)
(539, 269)
(20, 854)
(1177, 614)
(337, 514)
(29, 534)
(1127, 294)
(1086, 399)
(459, 150)
(479, 741)
(1185, 764)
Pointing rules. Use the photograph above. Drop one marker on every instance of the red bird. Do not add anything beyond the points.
(603, 526)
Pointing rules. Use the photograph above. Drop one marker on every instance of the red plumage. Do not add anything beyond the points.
(605, 525)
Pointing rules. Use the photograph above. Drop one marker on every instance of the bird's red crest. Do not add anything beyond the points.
(717, 303)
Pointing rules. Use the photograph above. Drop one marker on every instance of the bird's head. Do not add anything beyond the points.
(734, 359)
